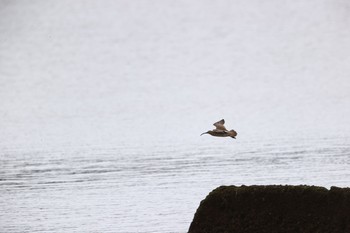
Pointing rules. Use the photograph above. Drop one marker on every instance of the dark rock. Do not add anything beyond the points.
(274, 209)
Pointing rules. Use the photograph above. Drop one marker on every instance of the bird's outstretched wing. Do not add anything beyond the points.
(220, 125)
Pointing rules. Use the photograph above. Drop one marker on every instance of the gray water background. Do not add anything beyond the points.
(102, 104)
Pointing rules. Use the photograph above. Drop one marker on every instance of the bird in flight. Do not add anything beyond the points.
(221, 131)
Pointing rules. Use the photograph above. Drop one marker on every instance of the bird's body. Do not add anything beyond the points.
(221, 131)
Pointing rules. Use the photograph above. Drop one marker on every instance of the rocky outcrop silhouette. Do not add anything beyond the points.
(273, 209)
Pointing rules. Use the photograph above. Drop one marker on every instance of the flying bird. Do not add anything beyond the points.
(221, 131)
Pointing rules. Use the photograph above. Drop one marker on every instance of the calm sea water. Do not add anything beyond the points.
(102, 104)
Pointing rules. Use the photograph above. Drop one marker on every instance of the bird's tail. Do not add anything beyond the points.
(232, 133)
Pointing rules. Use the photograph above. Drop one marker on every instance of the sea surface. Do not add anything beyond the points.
(102, 104)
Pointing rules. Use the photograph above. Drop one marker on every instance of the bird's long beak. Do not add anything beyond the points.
(203, 133)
